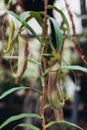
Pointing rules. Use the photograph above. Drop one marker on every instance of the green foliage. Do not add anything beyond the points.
(24, 23)
(75, 67)
(7, 1)
(18, 117)
(62, 15)
(23, 115)
(32, 127)
(58, 34)
(28, 15)
(65, 122)
(23, 19)
(6, 93)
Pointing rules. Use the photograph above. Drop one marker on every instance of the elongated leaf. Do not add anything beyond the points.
(58, 33)
(68, 123)
(28, 15)
(18, 117)
(47, 105)
(45, 72)
(25, 24)
(16, 57)
(34, 61)
(7, 1)
(25, 14)
(32, 127)
(6, 93)
(38, 18)
(75, 67)
(62, 15)
(47, 55)
(26, 19)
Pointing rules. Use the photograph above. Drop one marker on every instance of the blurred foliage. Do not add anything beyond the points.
(7, 81)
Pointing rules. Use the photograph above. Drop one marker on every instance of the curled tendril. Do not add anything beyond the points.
(10, 39)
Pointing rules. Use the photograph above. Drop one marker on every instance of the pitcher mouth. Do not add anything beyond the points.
(54, 67)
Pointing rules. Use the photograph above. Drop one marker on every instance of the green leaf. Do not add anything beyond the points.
(32, 127)
(25, 18)
(24, 23)
(47, 105)
(32, 14)
(47, 55)
(38, 18)
(7, 1)
(74, 67)
(6, 93)
(18, 117)
(34, 61)
(62, 15)
(62, 121)
(45, 72)
(25, 14)
(16, 57)
(58, 33)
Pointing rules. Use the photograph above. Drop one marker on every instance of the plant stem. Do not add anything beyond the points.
(44, 66)
(79, 51)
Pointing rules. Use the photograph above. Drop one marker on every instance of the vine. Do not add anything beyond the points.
(79, 51)
(44, 65)
(50, 63)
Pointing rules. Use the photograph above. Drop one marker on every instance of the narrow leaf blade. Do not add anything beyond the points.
(62, 15)
(25, 24)
(6, 93)
(74, 67)
(58, 33)
(38, 18)
(18, 117)
(32, 127)
(62, 121)
(25, 14)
